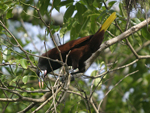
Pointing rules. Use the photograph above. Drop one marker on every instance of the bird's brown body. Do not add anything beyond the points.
(78, 51)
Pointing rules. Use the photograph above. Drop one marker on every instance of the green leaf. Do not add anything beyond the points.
(32, 89)
(110, 4)
(9, 14)
(85, 23)
(89, 13)
(146, 105)
(145, 33)
(94, 73)
(102, 63)
(5, 7)
(1, 57)
(23, 63)
(55, 28)
(93, 24)
(15, 79)
(66, 3)
(113, 47)
(7, 34)
(138, 39)
(97, 81)
(63, 31)
(99, 0)
(15, 71)
(73, 33)
(89, 4)
(1, 5)
(24, 94)
(75, 30)
(1, 28)
(2, 77)
(25, 79)
(84, 2)
(121, 9)
(80, 10)
(44, 6)
(17, 61)
(137, 20)
(97, 3)
(56, 4)
(69, 13)
(7, 55)
(103, 15)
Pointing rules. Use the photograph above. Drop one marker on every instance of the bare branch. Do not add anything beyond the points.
(42, 99)
(44, 103)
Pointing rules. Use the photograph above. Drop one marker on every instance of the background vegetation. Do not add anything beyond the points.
(120, 80)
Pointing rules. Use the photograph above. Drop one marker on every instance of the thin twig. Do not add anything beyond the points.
(44, 103)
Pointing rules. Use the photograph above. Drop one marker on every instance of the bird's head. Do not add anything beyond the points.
(41, 74)
(41, 71)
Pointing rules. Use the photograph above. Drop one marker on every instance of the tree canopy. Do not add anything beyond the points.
(121, 76)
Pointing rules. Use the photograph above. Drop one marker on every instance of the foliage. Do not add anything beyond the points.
(18, 79)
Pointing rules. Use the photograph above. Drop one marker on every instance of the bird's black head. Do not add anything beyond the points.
(42, 70)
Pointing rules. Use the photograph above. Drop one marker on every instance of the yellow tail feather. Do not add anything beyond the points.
(107, 23)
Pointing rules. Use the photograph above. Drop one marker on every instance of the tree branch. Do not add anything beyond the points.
(117, 39)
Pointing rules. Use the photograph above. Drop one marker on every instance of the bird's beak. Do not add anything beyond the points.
(42, 74)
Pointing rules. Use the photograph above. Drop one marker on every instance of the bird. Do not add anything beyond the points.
(78, 51)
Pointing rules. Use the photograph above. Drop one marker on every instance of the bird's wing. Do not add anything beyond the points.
(80, 42)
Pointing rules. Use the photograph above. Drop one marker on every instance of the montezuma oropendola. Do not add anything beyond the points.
(80, 51)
